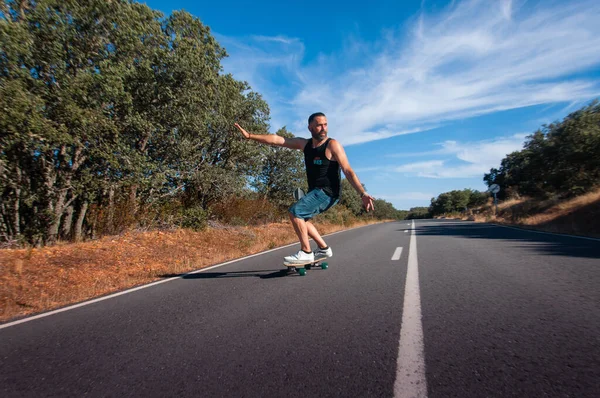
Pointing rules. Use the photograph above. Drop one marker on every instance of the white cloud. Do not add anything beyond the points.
(378, 135)
(420, 167)
(489, 152)
(507, 9)
(474, 57)
(464, 171)
(475, 158)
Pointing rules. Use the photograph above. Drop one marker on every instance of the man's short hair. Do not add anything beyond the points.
(314, 115)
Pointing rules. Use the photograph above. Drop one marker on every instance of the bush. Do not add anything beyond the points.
(244, 211)
(171, 215)
(338, 214)
(195, 218)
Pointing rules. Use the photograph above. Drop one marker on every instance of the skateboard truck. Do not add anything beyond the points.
(302, 268)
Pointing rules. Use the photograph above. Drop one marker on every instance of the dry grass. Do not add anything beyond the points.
(563, 209)
(35, 280)
(578, 216)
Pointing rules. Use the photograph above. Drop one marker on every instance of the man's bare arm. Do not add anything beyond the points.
(340, 156)
(273, 139)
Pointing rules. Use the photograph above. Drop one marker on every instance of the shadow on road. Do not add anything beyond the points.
(263, 274)
(545, 243)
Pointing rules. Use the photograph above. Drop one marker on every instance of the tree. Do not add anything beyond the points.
(559, 159)
(350, 198)
(60, 64)
(281, 172)
(418, 213)
(384, 210)
(448, 202)
(477, 198)
(105, 103)
(456, 201)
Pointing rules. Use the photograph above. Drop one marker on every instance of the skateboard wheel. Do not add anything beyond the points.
(302, 271)
(308, 266)
(324, 265)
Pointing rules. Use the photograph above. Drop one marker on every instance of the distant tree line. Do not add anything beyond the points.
(420, 212)
(113, 116)
(457, 201)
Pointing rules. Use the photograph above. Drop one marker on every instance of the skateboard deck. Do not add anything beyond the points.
(301, 268)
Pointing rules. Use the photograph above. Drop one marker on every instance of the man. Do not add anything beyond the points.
(323, 157)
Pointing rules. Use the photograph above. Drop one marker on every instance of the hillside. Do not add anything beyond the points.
(576, 216)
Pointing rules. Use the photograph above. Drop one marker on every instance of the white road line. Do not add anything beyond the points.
(397, 254)
(410, 370)
(72, 307)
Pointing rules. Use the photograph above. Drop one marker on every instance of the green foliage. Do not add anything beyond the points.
(107, 104)
(195, 218)
(385, 210)
(114, 117)
(477, 198)
(338, 214)
(402, 214)
(351, 199)
(456, 201)
(562, 159)
(418, 213)
(282, 171)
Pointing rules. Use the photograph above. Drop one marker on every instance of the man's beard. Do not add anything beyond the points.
(317, 136)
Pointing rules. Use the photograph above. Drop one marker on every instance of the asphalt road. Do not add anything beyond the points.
(491, 312)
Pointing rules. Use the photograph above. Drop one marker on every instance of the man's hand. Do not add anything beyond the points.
(368, 202)
(244, 132)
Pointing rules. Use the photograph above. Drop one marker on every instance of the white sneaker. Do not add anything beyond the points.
(300, 258)
(323, 253)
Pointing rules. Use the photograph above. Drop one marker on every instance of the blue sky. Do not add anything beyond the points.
(426, 96)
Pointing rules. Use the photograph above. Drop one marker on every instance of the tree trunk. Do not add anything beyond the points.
(16, 227)
(49, 182)
(77, 232)
(59, 209)
(16, 219)
(133, 201)
(5, 225)
(110, 222)
(67, 223)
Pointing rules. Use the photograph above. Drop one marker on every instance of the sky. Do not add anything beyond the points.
(425, 96)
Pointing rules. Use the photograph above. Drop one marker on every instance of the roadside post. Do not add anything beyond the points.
(494, 189)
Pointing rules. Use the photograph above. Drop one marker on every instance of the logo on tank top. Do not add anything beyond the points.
(318, 161)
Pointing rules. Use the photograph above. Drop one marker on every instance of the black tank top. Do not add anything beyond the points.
(320, 171)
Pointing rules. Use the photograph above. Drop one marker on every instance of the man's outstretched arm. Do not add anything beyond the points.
(340, 156)
(273, 139)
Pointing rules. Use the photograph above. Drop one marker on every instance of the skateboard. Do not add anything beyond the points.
(301, 268)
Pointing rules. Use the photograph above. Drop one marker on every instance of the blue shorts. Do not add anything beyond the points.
(311, 204)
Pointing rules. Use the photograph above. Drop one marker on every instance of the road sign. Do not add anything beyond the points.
(494, 188)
